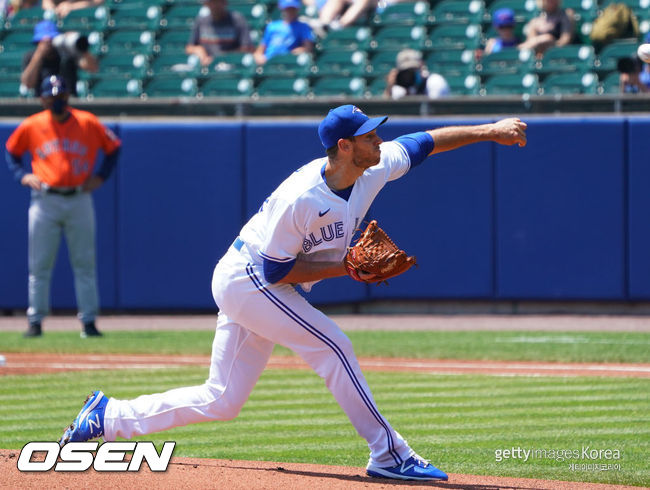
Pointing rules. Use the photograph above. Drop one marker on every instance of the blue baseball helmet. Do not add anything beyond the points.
(53, 86)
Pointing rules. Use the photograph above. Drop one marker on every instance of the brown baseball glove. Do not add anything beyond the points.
(374, 257)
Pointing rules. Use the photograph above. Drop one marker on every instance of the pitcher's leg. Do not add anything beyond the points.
(44, 240)
(286, 318)
(80, 236)
(238, 358)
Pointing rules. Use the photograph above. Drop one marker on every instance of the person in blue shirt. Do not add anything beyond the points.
(503, 21)
(287, 35)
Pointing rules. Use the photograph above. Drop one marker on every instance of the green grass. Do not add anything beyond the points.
(457, 421)
(520, 346)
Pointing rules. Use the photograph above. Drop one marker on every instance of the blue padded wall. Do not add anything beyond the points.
(180, 197)
(639, 207)
(559, 203)
(441, 212)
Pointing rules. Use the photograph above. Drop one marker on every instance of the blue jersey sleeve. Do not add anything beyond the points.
(15, 164)
(417, 145)
(274, 271)
(108, 164)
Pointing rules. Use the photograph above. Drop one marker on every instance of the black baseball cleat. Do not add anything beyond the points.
(34, 330)
(90, 330)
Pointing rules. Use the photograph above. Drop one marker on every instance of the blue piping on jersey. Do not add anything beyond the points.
(337, 350)
(274, 271)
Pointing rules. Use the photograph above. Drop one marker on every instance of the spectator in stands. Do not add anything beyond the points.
(10, 7)
(411, 77)
(56, 54)
(219, 32)
(287, 35)
(503, 20)
(634, 76)
(337, 14)
(63, 7)
(553, 27)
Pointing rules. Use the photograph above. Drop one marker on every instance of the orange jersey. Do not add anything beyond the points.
(63, 153)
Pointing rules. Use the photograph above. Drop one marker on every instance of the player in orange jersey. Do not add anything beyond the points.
(63, 143)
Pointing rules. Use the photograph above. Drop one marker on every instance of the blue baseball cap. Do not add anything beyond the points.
(284, 4)
(45, 28)
(503, 17)
(346, 121)
(53, 86)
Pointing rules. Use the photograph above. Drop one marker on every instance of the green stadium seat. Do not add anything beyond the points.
(227, 87)
(10, 88)
(282, 87)
(233, 64)
(456, 36)
(339, 86)
(11, 63)
(181, 16)
(585, 13)
(571, 83)
(382, 62)
(140, 16)
(451, 62)
(26, 19)
(85, 20)
(287, 65)
(344, 63)
(400, 37)
(131, 42)
(611, 53)
(176, 63)
(512, 84)
(562, 59)
(506, 61)
(256, 14)
(458, 12)
(17, 41)
(352, 38)
(172, 86)
(173, 41)
(376, 87)
(116, 87)
(406, 13)
(120, 65)
(611, 84)
(464, 84)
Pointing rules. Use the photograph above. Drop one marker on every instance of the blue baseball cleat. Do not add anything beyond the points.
(89, 424)
(414, 468)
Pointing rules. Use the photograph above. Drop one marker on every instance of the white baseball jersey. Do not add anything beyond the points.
(305, 219)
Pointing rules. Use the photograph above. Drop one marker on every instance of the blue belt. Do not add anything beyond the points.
(238, 244)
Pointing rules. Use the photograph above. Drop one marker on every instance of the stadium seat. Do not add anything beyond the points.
(227, 87)
(571, 83)
(26, 19)
(176, 63)
(11, 63)
(232, 64)
(286, 65)
(256, 14)
(399, 37)
(173, 41)
(116, 87)
(562, 59)
(451, 62)
(512, 84)
(283, 87)
(17, 41)
(85, 20)
(344, 63)
(182, 16)
(144, 17)
(131, 42)
(352, 38)
(405, 13)
(506, 61)
(611, 84)
(382, 62)
(585, 12)
(458, 12)
(456, 36)
(10, 87)
(120, 65)
(376, 87)
(339, 86)
(607, 59)
(464, 84)
(171, 86)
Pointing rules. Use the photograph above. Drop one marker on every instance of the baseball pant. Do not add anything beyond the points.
(50, 215)
(253, 317)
